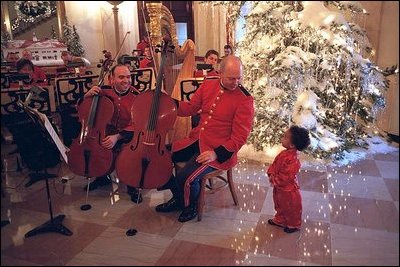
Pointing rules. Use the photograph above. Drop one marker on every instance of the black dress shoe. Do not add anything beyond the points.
(171, 205)
(98, 182)
(188, 214)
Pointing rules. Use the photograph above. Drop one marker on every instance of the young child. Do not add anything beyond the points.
(282, 176)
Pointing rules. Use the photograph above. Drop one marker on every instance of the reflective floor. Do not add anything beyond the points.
(350, 217)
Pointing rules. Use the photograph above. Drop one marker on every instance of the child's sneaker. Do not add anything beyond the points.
(290, 230)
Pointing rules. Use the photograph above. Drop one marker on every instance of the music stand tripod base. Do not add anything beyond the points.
(131, 232)
(54, 225)
(86, 207)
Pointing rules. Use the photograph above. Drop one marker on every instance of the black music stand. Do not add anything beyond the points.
(35, 157)
(55, 223)
(204, 66)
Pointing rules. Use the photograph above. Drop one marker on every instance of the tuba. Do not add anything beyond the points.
(179, 65)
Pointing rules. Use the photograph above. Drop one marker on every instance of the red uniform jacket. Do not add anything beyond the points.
(226, 119)
(284, 170)
(122, 119)
(38, 74)
(142, 45)
(146, 63)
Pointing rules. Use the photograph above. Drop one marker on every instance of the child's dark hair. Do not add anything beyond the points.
(300, 137)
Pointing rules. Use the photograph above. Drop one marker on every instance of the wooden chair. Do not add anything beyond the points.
(214, 179)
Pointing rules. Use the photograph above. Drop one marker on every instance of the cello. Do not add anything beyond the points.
(87, 157)
(145, 162)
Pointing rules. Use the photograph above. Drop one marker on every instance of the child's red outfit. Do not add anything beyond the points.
(286, 194)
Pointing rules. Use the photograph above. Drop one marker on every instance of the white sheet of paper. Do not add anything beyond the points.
(60, 145)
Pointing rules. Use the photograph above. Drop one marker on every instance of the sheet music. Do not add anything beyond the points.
(60, 145)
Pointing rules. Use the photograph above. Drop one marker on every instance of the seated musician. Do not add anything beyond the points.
(227, 112)
(26, 66)
(147, 61)
(144, 42)
(210, 58)
(12, 57)
(68, 58)
(122, 95)
(38, 72)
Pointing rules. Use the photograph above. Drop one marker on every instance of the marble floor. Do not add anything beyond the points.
(350, 217)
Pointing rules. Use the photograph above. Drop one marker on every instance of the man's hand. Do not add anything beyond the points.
(95, 90)
(110, 141)
(206, 157)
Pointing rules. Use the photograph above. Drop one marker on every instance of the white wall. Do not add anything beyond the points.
(209, 28)
(95, 25)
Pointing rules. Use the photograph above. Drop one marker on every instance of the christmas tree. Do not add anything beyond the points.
(306, 64)
(72, 40)
(76, 47)
(67, 33)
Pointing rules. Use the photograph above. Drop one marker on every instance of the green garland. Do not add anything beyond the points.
(31, 11)
(28, 11)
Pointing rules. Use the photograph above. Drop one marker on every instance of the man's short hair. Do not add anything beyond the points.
(222, 65)
(114, 67)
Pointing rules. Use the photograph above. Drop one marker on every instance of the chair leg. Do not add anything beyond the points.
(200, 204)
(232, 187)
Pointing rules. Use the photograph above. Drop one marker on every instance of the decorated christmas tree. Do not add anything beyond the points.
(306, 64)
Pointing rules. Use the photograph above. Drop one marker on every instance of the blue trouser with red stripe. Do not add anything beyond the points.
(185, 186)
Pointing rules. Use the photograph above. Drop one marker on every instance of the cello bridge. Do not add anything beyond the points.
(149, 144)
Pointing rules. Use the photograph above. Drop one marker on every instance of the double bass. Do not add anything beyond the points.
(145, 162)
